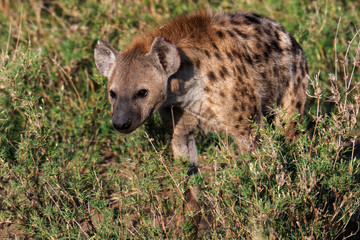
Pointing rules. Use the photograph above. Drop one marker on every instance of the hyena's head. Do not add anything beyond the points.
(137, 85)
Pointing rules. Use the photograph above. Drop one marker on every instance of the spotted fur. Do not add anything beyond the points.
(208, 71)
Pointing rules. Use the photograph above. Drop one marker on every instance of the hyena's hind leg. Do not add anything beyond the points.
(244, 130)
(292, 103)
(246, 138)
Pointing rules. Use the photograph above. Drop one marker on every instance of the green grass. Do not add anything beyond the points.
(66, 173)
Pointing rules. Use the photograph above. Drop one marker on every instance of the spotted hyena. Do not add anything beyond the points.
(209, 71)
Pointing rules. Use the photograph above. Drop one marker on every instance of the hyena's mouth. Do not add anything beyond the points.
(134, 125)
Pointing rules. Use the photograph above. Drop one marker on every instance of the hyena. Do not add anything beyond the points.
(216, 72)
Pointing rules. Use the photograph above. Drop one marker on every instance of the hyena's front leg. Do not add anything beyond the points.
(183, 142)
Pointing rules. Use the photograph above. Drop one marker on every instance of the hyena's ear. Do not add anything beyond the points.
(105, 56)
(166, 54)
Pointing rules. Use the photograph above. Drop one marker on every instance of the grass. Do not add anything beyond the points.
(66, 173)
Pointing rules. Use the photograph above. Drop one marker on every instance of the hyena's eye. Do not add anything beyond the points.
(142, 93)
(112, 94)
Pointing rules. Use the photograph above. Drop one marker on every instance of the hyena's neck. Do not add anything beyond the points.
(185, 88)
(182, 32)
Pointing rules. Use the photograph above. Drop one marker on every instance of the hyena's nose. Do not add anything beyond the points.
(120, 126)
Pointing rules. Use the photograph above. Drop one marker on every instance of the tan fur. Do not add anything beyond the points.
(182, 31)
(234, 68)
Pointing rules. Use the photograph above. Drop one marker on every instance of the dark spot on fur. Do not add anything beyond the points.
(220, 34)
(235, 54)
(241, 34)
(222, 74)
(197, 63)
(244, 91)
(224, 70)
(231, 34)
(294, 68)
(298, 80)
(255, 110)
(266, 56)
(258, 58)
(258, 31)
(275, 45)
(237, 126)
(218, 56)
(268, 50)
(242, 133)
(235, 97)
(222, 94)
(240, 118)
(239, 69)
(231, 14)
(252, 19)
(267, 32)
(248, 59)
(279, 99)
(214, 46)
(243, 107)
(304, 86)
(259, 45)
(235, 108)
(295, 46)
(245, 71)
(298, 105)
(207, 53)
(297, 84)
(303, 70)
(229, 56)
(251, 89)
(234, 22)
(239, 78)
(263, 75)
(276, 72)
(211, 76)
(281, 28)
